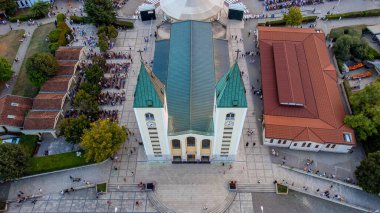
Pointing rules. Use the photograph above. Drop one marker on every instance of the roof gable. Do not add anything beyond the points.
(230, 91)
(149, 90)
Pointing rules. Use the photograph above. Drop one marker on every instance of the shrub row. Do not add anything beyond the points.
(24, 17)
(123, 24)
(58, 37)
(78, 19)
(282, 21)
(365, 13)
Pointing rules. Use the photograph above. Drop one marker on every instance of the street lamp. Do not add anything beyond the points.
(262, 209)
(115, 209)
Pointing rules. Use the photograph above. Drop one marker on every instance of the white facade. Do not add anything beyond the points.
(159, 146)
(29, 3)
(307, 145)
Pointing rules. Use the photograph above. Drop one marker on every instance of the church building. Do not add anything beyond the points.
(191, 107)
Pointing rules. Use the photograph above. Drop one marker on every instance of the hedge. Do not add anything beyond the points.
(61, 17)
(282, 21)
(123, 24)
(24, 17)
(78, 19)
(365, 13)
(54, 35)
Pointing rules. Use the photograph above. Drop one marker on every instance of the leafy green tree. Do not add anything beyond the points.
(40, 9)
(73, 128)
(359, 48)
(13, 161)
(100, 61)
(93, 74)
(102, 140)
(9, 6)
(92, 89)
(368, 173)
(294, 16)
(100, 12)
(40, 67)
(366, 118)
(364, 126)
(103, 44)
(110, 31)
(86, 102)
(342, 47)
(5, 70)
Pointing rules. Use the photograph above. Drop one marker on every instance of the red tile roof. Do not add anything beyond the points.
(48, 101)
(14, 106)
(57, 83)
(39, 120)
(66, 67)
(295, 68)
(68, 53)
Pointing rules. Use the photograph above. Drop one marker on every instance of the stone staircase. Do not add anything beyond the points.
(225, 205)
(158, 205)
(123, 188)
(244, 188)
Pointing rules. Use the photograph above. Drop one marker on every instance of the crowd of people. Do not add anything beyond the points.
(284, 4)
(116, 81)
(111, 98)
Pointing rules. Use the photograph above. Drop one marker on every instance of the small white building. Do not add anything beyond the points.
(192, 106)
(29, 3)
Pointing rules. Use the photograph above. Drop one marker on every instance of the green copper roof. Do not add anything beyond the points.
(190, 84)
(230, 91)
(149, 90)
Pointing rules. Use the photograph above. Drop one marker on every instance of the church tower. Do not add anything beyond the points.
(230, 112)
(151, 114)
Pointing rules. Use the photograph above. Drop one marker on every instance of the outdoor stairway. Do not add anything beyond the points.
(225, 205)
(244, 187)
(158, 205)
(123, 188)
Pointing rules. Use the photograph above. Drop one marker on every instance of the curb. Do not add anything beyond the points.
(331, 200)
(323, 178)
(62, 170)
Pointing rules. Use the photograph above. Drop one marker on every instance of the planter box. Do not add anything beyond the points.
(281, 189)
(3, 206)
(101, 187)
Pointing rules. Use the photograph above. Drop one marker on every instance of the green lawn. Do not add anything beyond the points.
(29, 143)
(55, 162)
(282, 188)
(9, 44)
(101, 187)
(336, 32)
(37, 44)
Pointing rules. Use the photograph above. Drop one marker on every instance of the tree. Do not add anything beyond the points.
(100, 12)
(5, 70)
(110, 31)
(100, 61)
(102, 140)
(93, 74)
(92, 89)
(9, 6)
(73, 128)
(294, 16)
(40, 9)
(13, 161)
(40, 67)
(364, 126)
(86, 102)
(342, 47)
(368, 173)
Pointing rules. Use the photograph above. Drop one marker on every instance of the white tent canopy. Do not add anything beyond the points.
(191, 9)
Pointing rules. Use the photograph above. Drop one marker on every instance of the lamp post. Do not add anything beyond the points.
(115, 209)
(262, 209)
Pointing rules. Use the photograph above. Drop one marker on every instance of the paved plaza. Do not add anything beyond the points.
(192, 187)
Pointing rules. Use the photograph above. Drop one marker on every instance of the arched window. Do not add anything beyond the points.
(149, 116)
(176, 144)
(190, 141)
(205, 144)
(230, 116)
